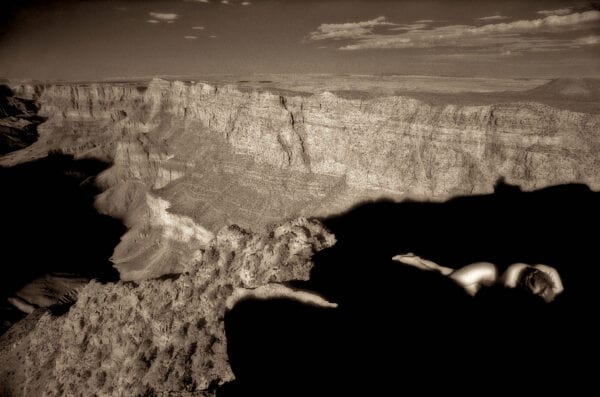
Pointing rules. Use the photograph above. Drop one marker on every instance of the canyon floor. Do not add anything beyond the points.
(136, 212)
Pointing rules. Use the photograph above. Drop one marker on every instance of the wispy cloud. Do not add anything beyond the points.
(246, 3)
(588, 40)
(492, 18)
(560, 11)
(212, 36)
(224, 1)
(409, 26)
(190, 37)
(350, 30)
(540, 34)
(198, 27)
(162, 17)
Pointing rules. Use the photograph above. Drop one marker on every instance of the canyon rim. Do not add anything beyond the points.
(233, 199)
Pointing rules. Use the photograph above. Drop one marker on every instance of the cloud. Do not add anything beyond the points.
(212, 36)
(491, 18)
(523, 35)
(246, 3)
(197, 1)
(198, 27)
(409, 26)
(425, 21)
(190, 37)
(224, 1)
(588, 40)
(339, 31)
(152, 21)
(164, 17)
(560, 11)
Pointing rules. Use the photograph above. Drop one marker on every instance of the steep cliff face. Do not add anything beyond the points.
(157, 337)
(191, 158)
(18, 121)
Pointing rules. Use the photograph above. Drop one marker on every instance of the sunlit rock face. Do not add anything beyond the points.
(190, 158)
(159, 336)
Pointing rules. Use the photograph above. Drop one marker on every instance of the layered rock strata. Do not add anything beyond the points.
(190, 158)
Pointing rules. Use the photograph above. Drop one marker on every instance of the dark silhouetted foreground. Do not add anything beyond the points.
(399, 330)
(50, 225)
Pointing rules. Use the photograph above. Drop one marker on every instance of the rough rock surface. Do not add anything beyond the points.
(159, 336)
(18, 121)
(190, 158)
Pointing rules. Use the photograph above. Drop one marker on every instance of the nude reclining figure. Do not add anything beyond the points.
(541, 280)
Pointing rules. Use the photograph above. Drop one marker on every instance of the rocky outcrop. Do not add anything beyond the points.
(215, 155)
(159, 336)
(18, 121)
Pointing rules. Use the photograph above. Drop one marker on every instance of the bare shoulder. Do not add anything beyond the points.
(511, 275)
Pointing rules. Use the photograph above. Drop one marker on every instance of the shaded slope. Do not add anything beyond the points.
(50, 226)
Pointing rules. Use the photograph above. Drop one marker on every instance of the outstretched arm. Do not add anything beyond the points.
(423, 264)
(471, 277)
(275, 291)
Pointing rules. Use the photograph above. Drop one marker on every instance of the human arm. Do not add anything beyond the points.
(277, 291)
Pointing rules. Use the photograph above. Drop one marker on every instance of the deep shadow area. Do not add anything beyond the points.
(399, 330)
(50, 225)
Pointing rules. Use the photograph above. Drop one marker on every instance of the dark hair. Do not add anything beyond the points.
(537, 282)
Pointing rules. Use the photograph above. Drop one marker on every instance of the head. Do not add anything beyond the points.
(537, 282)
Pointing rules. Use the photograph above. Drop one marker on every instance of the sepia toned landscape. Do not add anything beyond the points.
(226, 234)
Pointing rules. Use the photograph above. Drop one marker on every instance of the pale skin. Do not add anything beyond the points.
(278, 291)
(482, 274)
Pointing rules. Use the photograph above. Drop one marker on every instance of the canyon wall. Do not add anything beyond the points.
(190, 158)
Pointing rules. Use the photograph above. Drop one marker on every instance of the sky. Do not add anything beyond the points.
(94, 40)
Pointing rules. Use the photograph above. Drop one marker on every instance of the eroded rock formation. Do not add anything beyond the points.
(159, 336)
(191, 158)
(18, 121)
